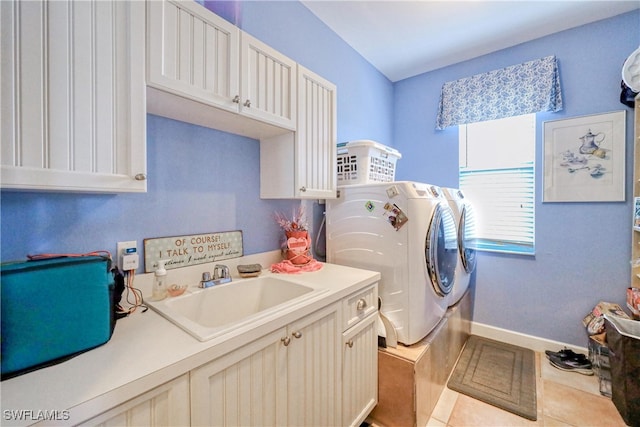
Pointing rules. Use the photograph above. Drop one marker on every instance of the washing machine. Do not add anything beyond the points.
(466, 228)
(406, 231)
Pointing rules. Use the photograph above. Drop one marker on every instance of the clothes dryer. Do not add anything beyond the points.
(406, 231)
(466, 229)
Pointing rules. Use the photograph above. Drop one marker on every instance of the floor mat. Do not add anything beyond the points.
(497, 373)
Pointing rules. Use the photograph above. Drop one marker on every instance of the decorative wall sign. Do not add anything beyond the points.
(584, 158)
(182, 251)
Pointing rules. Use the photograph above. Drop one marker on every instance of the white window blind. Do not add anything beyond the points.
(497, 175)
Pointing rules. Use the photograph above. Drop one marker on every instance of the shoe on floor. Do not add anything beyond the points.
(579, 365)
(565, 354)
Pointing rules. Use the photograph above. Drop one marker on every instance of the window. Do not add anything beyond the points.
(497, 176)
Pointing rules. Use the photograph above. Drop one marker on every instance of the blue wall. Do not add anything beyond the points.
(582, 249)
(365, 96)
(202, 180)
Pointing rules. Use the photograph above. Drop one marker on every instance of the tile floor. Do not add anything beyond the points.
(564, 399)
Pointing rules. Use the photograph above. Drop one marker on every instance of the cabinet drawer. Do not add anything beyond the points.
(359, 305)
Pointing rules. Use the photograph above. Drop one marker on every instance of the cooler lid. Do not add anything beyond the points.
(17, 266)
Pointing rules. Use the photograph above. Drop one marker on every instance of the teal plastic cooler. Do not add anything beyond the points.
(52, 310)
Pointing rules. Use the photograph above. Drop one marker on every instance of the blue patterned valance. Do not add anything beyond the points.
(513, 91)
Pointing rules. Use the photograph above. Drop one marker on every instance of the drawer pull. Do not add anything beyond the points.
(350, 343)
(361, 304)
(285, 341)
(297, 334)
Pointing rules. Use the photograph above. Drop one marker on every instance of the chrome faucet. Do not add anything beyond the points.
(221, 272)
(220, 275)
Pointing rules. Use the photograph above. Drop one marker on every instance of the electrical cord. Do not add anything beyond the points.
(321, 253)
(138, 301)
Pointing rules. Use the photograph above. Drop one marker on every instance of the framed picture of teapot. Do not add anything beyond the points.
(584, 158)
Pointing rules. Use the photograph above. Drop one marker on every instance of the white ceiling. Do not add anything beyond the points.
(404, 38)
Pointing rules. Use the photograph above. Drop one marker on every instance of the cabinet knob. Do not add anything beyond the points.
(303, 189)
(361, 304)
(350, 343)
(236, 99)
(247, 103)
(140, 177)
(297, 334)
(285, 341)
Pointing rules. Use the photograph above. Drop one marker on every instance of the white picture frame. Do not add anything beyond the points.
(584, 158)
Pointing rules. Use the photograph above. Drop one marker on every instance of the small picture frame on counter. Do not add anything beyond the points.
(636, 213)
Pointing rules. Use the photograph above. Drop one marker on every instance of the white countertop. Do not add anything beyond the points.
(146, 350)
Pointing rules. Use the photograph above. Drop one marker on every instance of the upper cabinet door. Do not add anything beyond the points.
(268, 84)
(193, 52)
(302, 164)
(73, 96)
(316, 137)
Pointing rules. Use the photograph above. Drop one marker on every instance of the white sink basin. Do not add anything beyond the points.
(208, 313)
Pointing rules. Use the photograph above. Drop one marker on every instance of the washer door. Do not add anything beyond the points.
(467, 237)
(441, 249)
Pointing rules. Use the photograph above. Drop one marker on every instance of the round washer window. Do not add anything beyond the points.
(467, 238)
(441, 249)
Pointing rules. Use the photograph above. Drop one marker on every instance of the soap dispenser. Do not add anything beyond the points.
(159, 291)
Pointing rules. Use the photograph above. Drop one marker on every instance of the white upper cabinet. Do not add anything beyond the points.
(73, 96)
(193, 53)
(203, 70)
(206, 71)
(316, 137)
(302, 164)
(268, 84)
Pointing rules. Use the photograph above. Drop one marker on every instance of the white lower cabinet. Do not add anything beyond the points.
(314, 392)
(245, 387)
(359, 371)
(166, 405)
(289, 377)
(359, 355)
(320, 370)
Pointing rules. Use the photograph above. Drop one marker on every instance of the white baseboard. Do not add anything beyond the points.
(528, 341)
